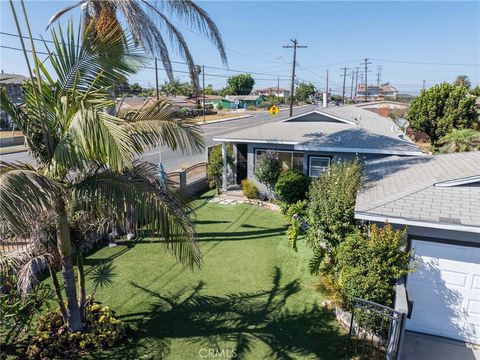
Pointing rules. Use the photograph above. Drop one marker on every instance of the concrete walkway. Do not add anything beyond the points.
(418, 346)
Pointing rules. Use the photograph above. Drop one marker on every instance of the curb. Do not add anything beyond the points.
(222, 120)
(12, 150)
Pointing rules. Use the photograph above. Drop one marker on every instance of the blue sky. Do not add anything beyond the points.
(409, 40)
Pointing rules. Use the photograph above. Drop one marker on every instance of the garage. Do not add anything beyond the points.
(445, 289)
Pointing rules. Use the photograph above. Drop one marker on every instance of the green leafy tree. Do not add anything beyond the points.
(267, 169)
(475, 91)
(85, 156)
(442, 108)
(152, 27)
(304, 91)
(330, 212)
(459, 140)
(463, 80)
(241, 84)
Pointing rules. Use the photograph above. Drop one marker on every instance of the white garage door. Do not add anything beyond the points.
(445, 289)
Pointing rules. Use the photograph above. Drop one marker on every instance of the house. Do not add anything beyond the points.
(13, 85)
(376, 92)
(384, 108)
(244, 101)
(272, 91)
(217, 101)
(438, 199)
(311, 141)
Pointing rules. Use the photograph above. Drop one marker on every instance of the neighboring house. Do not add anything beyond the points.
(438, 199)
(272, 91)
(376, 92)
(244, 101)
(13, 85)
(384, 108)
(311, 141)
(216, 100)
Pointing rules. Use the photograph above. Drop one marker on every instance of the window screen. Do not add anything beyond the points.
(318, 165)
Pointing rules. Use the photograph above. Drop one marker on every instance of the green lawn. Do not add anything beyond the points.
(252, 296)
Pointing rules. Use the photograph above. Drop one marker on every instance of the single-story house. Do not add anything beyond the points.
(216, 100)
(438, 199)
(272, 91)
(244, 101)
(384, 108)
(133, 103)
(311, 141)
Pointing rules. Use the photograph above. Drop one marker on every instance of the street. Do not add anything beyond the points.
(173, 160)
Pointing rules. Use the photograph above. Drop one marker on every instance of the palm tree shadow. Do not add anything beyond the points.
(237, 321)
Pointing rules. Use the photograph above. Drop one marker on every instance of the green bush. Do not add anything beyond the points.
(369, 263)
(292, 186)
(251, 107)
(102, 330)
(250, 190)
(330, 213)
(215, 165)
(267, 169)
(219, 106)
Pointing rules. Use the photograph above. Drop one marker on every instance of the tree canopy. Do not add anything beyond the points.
(241, 84)
(304, 91)
(442, 108)
(463, 80)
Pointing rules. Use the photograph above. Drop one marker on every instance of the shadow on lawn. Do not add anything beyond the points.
(236, 322)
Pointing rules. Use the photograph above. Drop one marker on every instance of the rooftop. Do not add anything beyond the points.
(12, 78)
(243, 97)
(340, 129)
(441, 191)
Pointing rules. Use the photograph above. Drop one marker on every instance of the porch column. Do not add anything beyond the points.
(224, 160)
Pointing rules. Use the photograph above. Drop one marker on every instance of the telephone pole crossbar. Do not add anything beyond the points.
(292, 87)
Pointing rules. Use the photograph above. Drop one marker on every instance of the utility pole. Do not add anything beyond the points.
(327, 88)
(344, 78)
(203, 91)
(351, 88)
(156, 78)
(292, 88)
(379, 74)
(366, 63)
(278, 88)
(356, 80)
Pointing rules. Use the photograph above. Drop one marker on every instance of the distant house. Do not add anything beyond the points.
(384, 108)
(310, 142)
(244, 101)
(376, 92)
(216, 101)
(272, 91)
(438, 199)
(13, 85)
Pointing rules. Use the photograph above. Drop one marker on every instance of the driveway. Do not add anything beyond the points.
(418, 346)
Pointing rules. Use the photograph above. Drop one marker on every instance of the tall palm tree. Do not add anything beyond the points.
(85, 157)
(459, 140)
(150, 24)
(463, 80)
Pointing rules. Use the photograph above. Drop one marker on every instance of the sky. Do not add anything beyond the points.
(408, 41)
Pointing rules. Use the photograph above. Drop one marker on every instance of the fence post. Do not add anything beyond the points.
(182, 179)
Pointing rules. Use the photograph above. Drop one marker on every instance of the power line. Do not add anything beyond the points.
(424, 63)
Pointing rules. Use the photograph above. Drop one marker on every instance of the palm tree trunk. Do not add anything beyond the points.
(58, 292)
(65, 249)
(81, 283)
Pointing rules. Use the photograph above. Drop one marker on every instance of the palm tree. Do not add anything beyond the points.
(144, 20)
(459, 140)
(463, 80)
(85, 157)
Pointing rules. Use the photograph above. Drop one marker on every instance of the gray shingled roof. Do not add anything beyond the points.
(339, 128)
(12, 78)
(421, 189)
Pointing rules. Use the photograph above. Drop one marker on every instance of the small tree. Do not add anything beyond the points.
(463, 80)
(292, 186)
(330, 212)
(304, 91)
(241, 84)
(215, 166)
(459, 140)
(267, 169)
(442, 108)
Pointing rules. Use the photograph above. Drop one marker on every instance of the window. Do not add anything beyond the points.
(288, 159)
(318, 165)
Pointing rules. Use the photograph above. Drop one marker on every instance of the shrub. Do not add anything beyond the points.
(295, 215)
(267, 169)
(250, 190)
(369, 263)
(292, 186)
(251, 108)
(330, 213)
(102, 330)
(215, 165)
(185, 112)
(219, 106)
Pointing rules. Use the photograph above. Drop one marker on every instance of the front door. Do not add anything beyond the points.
(241, 162)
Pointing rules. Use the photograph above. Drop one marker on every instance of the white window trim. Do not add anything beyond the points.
(310, 163)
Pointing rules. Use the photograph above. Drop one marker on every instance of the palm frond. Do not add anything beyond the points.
(154, 125)
(29, 274)
(151, 206)
(62, 12)
(24, 191)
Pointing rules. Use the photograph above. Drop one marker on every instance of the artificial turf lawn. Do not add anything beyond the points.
(252, 298)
